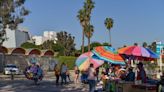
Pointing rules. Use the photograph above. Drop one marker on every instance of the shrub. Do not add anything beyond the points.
(69, 60)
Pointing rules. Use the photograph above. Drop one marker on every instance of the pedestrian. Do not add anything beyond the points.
(63, 73)
(76, 75)
(97, 74)
(91, 78)
(57, 73)
(68, 75)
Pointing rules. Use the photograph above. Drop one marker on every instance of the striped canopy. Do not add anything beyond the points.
(108, 54)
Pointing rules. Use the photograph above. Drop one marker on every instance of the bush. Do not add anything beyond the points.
(69, 60)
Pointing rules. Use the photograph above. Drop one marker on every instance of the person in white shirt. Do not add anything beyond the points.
(63, 71)
(91, 78)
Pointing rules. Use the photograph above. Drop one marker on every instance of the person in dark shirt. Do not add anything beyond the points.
(141, 74)
(131, 75)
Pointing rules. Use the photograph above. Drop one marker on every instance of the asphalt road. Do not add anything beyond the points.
(43, 86)
(46, 85)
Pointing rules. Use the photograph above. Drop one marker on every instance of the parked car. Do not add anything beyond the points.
(11, 68)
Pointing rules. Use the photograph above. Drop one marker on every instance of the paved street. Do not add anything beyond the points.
(46, 85)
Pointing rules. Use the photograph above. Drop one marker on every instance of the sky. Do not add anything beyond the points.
(134, 20)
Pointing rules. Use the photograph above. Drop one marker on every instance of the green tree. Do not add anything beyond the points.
(84, 16)
(12, 13)
(153, 46)
(81, 16)
(48, 45)
(135, 44)
(109, 24)
(105, 44)
(144, 44)
(95, 44)
(88, 33)
(28, 45)
(66, 41)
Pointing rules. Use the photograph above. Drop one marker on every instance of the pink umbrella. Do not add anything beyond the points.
(84, 60)
(138, 51)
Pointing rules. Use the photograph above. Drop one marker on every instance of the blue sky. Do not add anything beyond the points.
(134, 20)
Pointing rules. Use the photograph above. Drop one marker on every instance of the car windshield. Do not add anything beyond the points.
(12, 66)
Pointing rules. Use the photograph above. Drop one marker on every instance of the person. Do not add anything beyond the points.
(141, 74)
(117, 71)
(68, 75)
(97, 73)
(160, 84)
(39, 72)
(159, 74)
(91, 78)
(104, 78)
(57, 74)
(76, 75)
(131, 75)
(63, 73)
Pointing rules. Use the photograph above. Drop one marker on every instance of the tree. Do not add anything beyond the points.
(109, 24)
(81, 15)
(135, 44)
(12, 13)
(88, 33)
(48, 45)
(144, 44)
(84, 16)
(28, 45)
(66, 42)
(153, 46)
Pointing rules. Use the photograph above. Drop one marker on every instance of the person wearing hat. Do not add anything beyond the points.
(141, 74)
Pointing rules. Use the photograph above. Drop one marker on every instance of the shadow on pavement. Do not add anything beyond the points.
(43, 86)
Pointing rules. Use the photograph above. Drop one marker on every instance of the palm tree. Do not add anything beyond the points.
(81, 16)
(84, 16)
(109, 24)
(89, 29)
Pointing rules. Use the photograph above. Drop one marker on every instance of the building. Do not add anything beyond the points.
(38, 40)
(47, 35)
(15, 38)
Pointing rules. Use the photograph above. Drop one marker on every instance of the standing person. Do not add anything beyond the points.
(68, 75)
(57, 73)
(97, 73)
(63, 73)
(141, 74)
(76, 77)
(91, 78)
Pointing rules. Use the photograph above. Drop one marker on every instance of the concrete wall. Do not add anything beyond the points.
(2, 63)
(19, 60)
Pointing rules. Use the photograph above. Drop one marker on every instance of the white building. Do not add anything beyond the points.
(15, 38)
(38, 40)
(47, 35)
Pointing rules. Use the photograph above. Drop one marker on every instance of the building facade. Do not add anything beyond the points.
(47, 35)
(15, 38)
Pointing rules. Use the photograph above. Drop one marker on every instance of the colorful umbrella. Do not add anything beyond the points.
(138, 51)
(109, 54)
(84, 60)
